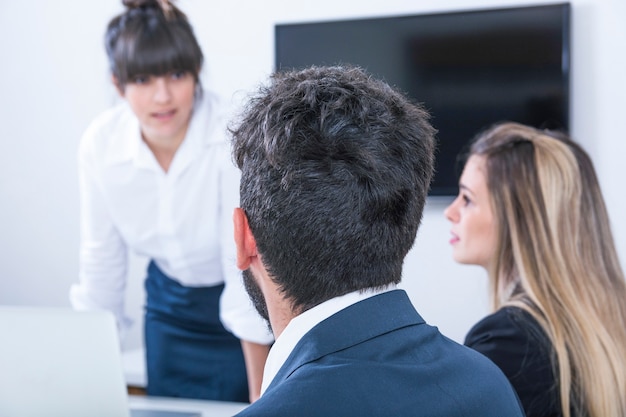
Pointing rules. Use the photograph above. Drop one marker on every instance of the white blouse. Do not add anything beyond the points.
(181, 219)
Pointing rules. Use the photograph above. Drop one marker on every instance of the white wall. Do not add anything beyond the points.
(54, 80)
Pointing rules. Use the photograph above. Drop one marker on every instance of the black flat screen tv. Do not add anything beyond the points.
(470, 69)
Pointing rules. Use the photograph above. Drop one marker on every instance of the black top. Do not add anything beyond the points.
(515, 342)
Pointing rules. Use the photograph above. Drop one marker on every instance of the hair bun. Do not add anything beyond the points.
(163, 5)
(135, 4)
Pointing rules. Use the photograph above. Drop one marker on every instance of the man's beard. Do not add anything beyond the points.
(256, 295)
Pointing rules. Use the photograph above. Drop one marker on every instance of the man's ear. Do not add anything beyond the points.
(118, 86)
(244, 240)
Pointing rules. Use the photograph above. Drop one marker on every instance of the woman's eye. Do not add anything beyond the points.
(177, 75)
(466, 200)
(141, 79)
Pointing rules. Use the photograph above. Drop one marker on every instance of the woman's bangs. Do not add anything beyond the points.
(160, 55)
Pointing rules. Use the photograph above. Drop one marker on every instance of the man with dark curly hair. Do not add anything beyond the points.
(336, 167)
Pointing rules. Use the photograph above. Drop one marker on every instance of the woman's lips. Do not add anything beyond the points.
(164, 115)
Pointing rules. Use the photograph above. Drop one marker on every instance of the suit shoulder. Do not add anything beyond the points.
(509, 326)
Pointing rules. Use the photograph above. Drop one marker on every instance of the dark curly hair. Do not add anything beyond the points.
(336, 167)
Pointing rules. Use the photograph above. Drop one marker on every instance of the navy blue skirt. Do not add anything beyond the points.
(189, 353)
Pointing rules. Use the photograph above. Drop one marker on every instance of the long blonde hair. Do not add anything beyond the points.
(557, 260)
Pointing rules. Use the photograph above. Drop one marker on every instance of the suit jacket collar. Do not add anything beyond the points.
(355, 324)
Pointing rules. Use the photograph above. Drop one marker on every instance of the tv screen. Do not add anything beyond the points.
(470, 69)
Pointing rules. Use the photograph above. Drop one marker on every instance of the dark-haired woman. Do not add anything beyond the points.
(156, 177)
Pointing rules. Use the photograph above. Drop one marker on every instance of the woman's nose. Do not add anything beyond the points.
(450, 212)
(162, 92)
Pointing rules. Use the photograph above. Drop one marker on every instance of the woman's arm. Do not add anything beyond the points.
(237, 312)
(103, 253)
(255, 355)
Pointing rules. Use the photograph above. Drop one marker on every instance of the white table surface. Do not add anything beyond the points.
(207, 408)
(134, 363)
(135, 374)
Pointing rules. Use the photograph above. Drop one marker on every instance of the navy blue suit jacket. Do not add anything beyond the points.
(379, 358)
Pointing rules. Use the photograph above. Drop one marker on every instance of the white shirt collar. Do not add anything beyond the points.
(129, 145)
(300, 325)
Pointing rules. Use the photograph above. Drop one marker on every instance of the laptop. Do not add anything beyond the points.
(57, 362)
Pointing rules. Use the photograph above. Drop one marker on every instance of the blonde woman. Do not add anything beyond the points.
(530, 211)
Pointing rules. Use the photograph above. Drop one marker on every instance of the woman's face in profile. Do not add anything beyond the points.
(474, 228)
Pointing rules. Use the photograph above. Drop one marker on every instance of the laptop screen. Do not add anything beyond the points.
(60, 362)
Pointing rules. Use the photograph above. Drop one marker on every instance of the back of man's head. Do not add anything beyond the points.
(336, 167)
